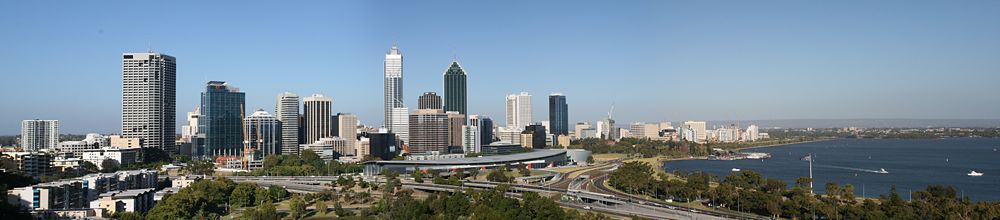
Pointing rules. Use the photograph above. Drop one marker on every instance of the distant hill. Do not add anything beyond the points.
(866, 123)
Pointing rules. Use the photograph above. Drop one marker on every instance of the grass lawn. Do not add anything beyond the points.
(607, 157)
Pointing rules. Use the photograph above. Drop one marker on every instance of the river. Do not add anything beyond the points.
(913, 164)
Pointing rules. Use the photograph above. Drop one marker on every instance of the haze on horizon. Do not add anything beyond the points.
(655, 60)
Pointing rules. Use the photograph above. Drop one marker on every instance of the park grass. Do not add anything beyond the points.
(607, 157)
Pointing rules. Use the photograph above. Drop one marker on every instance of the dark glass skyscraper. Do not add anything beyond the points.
(222, 109)
(485, 130)
(558, 114)
(454, 89)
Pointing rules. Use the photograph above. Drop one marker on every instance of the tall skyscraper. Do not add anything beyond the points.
(518, 111)
(39, 134)
(223, 109)
(558, 114)
(149, 99)
(287, 111)
(429, 100)
(485, 125)
(428, 131)
(263, 132)
(318, 117)
(454, 89)
(347, 128)
(401, 123)
(393, 70)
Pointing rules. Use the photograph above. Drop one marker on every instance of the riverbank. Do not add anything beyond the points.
(783, 144)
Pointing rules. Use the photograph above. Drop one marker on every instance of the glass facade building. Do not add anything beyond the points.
(454, 89)
(222, 108)
(558, 114)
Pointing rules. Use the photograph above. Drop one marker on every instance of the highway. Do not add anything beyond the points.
(605, 203)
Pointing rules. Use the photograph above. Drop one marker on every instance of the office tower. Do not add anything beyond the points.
(533, 136)
(149, 99)
(558, 114)
(698, 127)
(430, 100)
(455, 122)
(39, 134)
(222, 109)
(190, 130)
(263, 133)
(578, 130)
(454, 89)
(401, 124)
(347, 128)
(326, 147)
(318, 117)
(428, 131)
(287, 111)
(393, 70)
(485, 125)
(471, 142)
(518, 110)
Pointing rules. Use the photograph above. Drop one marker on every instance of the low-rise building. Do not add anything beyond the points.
(124, 156)
(34, 164)
(134, 200)
(59, 195)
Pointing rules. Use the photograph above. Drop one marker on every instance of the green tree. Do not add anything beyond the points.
(498, 175)
(523, 170)
(200, 167)
(109, 165)
(277, 193)
(340, 211)
(243, 195)
(417, 176)
(321, 207)
(88, 167)
(297, 206)
(128, 216)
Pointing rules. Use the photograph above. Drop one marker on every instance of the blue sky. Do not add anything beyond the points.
(656, 60)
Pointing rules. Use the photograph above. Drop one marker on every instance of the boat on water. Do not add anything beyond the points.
(882, 171)
(736, 169)
(974, 173)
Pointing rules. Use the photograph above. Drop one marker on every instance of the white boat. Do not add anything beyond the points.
(882, 171)
(974, 173)
(736, 169)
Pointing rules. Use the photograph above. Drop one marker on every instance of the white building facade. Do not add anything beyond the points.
(39, 134)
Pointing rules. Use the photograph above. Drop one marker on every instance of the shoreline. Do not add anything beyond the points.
(661, 161)
(783, 144)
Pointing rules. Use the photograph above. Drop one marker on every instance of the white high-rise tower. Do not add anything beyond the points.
(393, 70)
(287, 111)
(149, 99)
(518, 111)
(39, 134)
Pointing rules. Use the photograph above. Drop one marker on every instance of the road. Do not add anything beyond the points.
(613, 205)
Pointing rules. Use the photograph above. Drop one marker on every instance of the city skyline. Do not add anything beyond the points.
(945, 73)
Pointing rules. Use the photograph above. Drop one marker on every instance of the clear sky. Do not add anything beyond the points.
(656, 60)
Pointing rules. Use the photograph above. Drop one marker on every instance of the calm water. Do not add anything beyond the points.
(912, 165)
